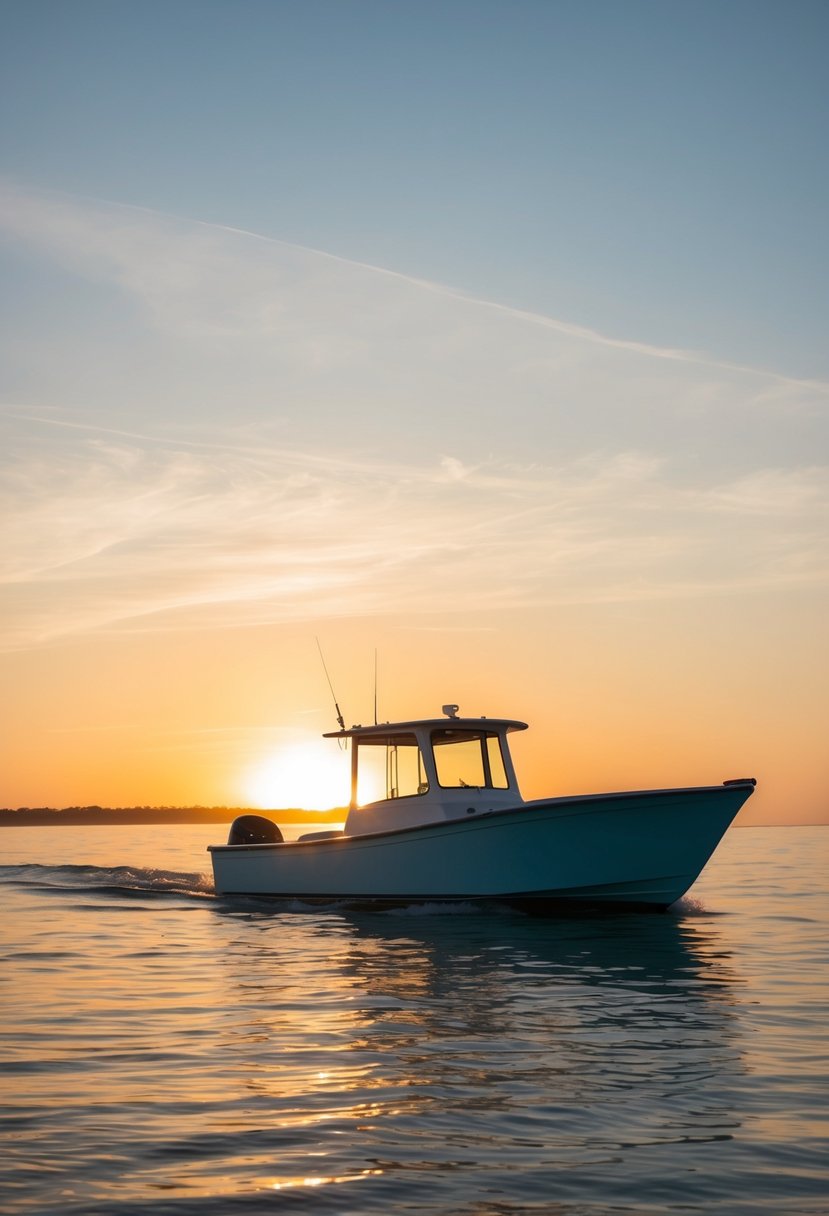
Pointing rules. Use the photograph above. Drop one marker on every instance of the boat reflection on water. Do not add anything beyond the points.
(431, 950)
(422, 1041)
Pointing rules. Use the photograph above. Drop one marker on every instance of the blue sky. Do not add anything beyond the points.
(656, 171)
(489, 335)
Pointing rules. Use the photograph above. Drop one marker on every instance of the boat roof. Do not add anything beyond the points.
(448, 722)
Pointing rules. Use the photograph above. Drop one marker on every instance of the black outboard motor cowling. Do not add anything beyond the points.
(254, 829)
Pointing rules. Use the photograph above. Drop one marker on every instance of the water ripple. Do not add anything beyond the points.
(165, 1051)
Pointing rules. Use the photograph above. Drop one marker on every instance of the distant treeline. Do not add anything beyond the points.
(45, 816)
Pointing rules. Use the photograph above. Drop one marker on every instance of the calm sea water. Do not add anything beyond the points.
(164, 1051)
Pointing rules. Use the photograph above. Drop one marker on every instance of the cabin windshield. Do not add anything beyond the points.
(390, 766)
(469, 759)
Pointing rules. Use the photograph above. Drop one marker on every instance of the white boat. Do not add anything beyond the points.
(444, 821)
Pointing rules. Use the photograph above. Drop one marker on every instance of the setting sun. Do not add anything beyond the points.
(313, 776)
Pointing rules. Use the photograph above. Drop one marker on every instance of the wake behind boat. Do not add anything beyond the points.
(436, 815)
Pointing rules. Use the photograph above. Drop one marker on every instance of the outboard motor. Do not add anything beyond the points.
(254, 829)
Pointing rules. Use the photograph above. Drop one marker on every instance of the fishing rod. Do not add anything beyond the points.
(340, 718)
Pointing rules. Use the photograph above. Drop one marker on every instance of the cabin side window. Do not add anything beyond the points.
(389, 766)
(469, 759)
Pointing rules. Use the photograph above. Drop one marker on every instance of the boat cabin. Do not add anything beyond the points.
(405, 774)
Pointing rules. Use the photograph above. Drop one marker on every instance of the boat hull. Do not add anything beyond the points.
(639, 850)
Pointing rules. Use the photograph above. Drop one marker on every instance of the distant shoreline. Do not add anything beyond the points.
(86, 816)
(90, 816)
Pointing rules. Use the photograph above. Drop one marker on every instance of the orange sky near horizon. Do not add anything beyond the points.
(612, 699)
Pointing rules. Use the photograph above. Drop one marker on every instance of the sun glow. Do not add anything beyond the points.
(313, 776)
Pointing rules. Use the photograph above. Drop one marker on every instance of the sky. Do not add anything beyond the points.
(481, 345)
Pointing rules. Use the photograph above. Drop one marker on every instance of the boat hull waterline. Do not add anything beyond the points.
(639, 850)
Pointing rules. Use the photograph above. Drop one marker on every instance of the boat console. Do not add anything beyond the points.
(407, 774)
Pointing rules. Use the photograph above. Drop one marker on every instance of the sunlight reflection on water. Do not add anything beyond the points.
(173, 1051)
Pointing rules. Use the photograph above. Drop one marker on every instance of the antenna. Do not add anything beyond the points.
(375, 685)
(330, 685)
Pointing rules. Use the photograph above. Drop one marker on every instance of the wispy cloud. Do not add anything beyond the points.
(217, 282)
(166, 260)
(270, 432)
(112, 535)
